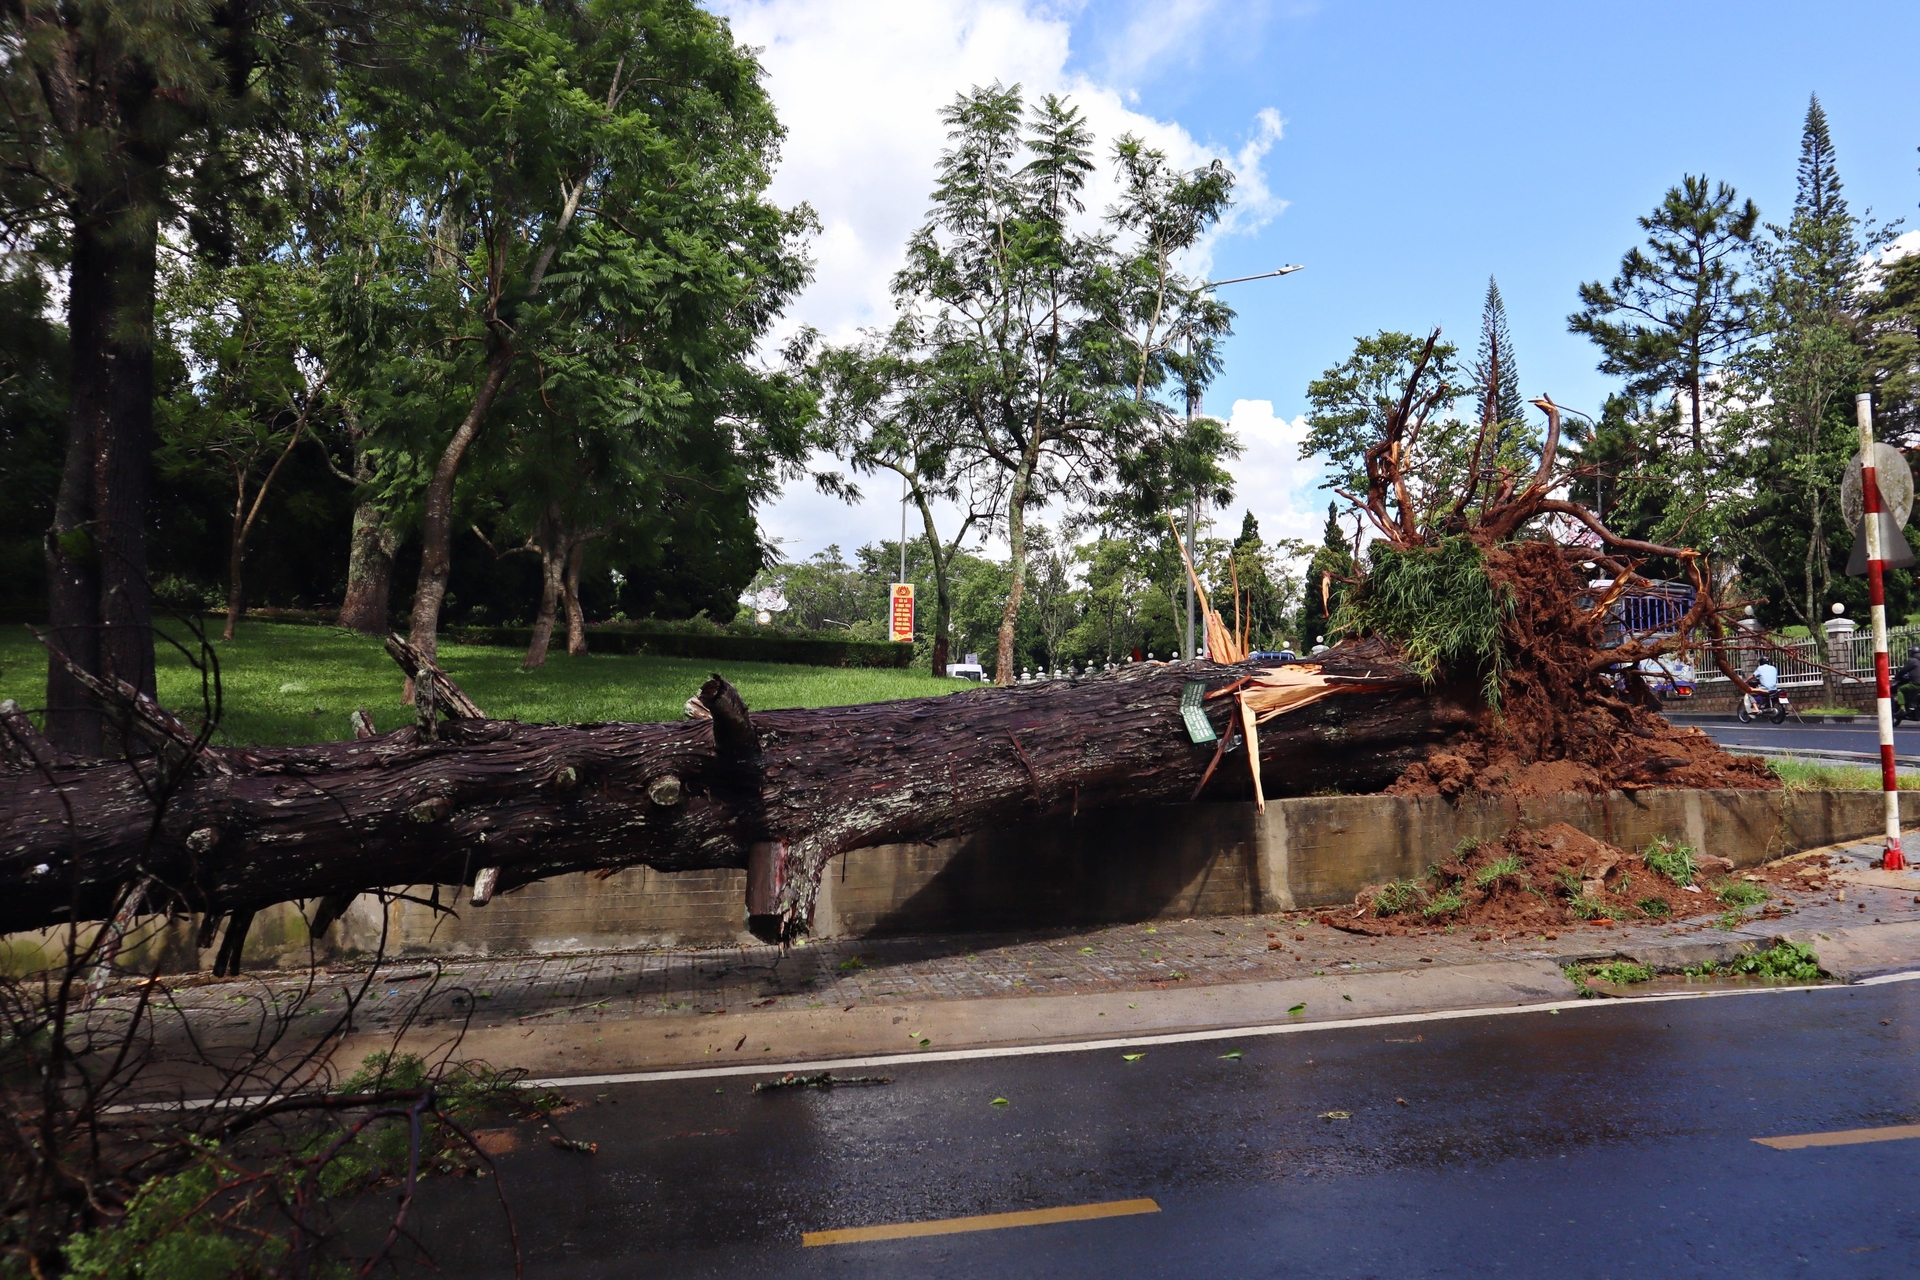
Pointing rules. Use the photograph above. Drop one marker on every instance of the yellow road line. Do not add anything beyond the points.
(981, 1222)
(1841, 1137)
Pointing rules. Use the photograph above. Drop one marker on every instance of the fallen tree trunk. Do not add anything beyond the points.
(497, 804)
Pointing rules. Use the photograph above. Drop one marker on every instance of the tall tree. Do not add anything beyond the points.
(564, 166)
(1677, 310)
(882, 404)
(1031, 328)
(1801, 380)
(256, 387)
(119, 117)
(1496, 370)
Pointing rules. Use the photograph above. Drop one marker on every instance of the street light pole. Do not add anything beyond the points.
(1193, 502)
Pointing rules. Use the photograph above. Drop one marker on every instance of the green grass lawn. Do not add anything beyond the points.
(286, 684)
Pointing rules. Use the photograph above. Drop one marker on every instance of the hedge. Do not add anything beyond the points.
(806, 650)
(691, 639)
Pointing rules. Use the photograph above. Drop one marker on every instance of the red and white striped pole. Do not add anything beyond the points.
(1877, 597)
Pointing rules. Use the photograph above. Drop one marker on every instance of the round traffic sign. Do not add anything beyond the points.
(1895, 479)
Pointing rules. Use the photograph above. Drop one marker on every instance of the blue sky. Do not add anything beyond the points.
(1419, 149)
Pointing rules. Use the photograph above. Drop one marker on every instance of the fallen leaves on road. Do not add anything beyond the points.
(1297, 1009)
(999, 1102)
(820, 1080)
(1233, 1055)
(574, 1144)
(1133, 1057)
(1336, 1115)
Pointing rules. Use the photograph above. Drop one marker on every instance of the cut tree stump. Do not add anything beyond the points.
(233, 830)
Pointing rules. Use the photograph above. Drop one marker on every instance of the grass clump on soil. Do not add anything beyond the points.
(1397, 896)
(1439, 605)
(1505, 867)
(1671, 859)
(1532, 881)
(1740, 893)
(285, 685)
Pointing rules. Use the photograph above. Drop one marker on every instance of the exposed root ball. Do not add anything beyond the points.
(1560, 725)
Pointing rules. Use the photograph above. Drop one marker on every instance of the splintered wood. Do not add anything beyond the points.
(1277, 690)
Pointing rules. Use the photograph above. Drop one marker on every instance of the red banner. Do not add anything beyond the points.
(900, 629)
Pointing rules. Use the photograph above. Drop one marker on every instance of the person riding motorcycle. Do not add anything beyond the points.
(1764, 700)
(1906, 687)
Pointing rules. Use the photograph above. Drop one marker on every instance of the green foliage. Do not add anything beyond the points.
(1507, 867)
(1670, 858)
(1439, 606)
(1351, 403)
(1794, 961)
(1739, 894)
(1654, 908)
(170, 1232)
(1443, 904)
(1398, 896)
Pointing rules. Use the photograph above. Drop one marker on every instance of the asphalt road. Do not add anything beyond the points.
(1862, 737)
(1612, 1139)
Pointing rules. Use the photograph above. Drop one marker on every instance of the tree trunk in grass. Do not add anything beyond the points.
(552, 584)
(570, 587)
(243, 829)
(369, 571)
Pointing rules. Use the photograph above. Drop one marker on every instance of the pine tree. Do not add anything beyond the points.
(1802, 380)
(1677, 309)
(1499, 374)
(1817, 255)
(1334, 557)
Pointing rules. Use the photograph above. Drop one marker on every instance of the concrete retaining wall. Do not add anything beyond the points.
(1169, 862)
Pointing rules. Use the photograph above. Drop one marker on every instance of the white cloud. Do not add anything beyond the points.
(859, 85)
(1271, 479)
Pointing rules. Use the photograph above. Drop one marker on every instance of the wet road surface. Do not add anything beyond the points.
(1612, 1139)
(1862, 736)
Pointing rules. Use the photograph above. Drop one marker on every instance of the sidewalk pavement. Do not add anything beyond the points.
(630, 1011)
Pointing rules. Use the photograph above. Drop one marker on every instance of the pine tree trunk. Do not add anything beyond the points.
(100, 609)
(236, 556)
(248, 828)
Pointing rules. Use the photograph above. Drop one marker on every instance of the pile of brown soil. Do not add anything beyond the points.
(1546, 880)
(1561, 726)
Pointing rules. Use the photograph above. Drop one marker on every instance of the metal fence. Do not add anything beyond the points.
(1798, 659)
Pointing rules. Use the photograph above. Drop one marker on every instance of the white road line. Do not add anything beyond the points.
(1134, 1042)
(1909, 976)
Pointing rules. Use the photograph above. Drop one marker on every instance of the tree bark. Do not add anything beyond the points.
(436, 512)
(570, 595)
(552, 584)
(1016, 562)
(243, 829)
(366, 606)
(100, 610)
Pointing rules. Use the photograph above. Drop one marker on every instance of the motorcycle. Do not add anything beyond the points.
(1906, 702)
(1771, 704)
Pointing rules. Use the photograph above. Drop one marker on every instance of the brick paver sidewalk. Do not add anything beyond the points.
(552, 990)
